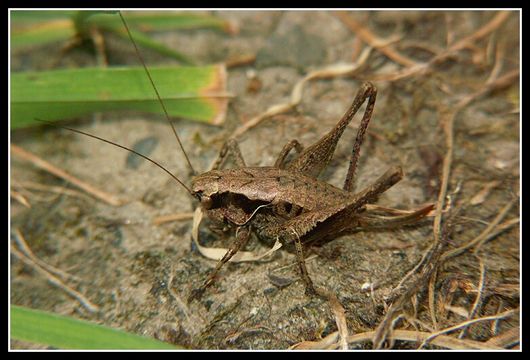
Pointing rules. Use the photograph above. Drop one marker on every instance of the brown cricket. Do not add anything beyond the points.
(286, 202)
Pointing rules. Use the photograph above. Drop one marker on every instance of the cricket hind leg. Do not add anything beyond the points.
(315, 158)
(242, 237)
(371, 93)
(371, 220)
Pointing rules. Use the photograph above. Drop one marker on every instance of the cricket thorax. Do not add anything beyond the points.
(267, 185)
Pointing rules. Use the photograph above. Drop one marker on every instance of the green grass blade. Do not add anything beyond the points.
(67, 333)
(145, 41)
(24, 17)
(196, 93)
(35, 28)
(164, 21)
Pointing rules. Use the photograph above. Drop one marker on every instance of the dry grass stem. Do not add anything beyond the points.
(499, 56)
(507, 339)
(327, 342)
(443, 341)
(87, 304)
(382, 45)
(501, 228)
(42, 164)
(467, 323)
(20, 198)
(340, 319)
(48, 188)
(481, 239)
(331, 71)
(24, 247)
(451, 51)
(432, 299)
(484, 192)
(172, 217)
(458, 310)
(478, 299)
(180, 304)
(447, 120)
(412, 282)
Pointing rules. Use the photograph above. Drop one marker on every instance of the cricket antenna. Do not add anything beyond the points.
(123, 147)
(156, 91)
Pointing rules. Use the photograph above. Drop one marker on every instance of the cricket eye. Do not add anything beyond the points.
(206, 202)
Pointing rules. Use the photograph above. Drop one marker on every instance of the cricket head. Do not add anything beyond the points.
(205, 186)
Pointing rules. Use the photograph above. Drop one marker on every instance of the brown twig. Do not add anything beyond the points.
(478, 299)
(484, 192)
(340, 319)
(448, 119)
(467, 323)
(444, 341)
(499, 57)
(426, 268)
(432, 299)
(451, 51)
(172, 217)
(371, 39)
(40, 163)
(483, 236)
(508, 224)
(296, 94)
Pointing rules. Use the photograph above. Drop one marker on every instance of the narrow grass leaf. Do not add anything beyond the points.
(196, 93)
(164, 21)
(36, 28)
(67, 333)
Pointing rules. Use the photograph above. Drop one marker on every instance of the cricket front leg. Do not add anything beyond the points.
(242, 237)
(309, 287)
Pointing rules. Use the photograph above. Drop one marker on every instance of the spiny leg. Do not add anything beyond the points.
(231, 147)
(316, 157)
(242, 237)
(371, 220)
(309, 287)
(280, 161)
(372, 94)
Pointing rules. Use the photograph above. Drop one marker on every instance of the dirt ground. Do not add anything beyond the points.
(140, 274)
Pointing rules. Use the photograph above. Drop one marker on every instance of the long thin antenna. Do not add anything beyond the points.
(156, 91)
(123, 147)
